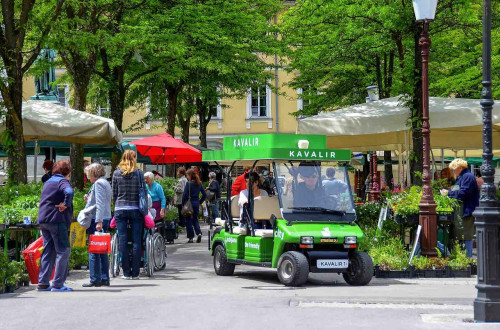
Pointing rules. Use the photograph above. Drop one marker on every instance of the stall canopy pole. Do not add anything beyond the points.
(407, 145)
(36, 160)
(442, 159)
(400, 165)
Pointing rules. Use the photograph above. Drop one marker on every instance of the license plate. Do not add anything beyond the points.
(329, 240)
(332, 263)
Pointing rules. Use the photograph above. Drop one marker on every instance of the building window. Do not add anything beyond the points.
(259, 103)
(63, 94)
(104, 110)
(301, 103)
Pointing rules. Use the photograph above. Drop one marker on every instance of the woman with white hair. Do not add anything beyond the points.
(465, 190)
(99, 195)
(155, 190)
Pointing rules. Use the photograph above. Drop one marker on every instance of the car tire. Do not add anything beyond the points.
(293, 268)
(221, 266)
(360, 271)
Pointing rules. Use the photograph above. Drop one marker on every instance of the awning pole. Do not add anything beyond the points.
(36, 160)
(442, 159)
(407, 145)
(400, 165)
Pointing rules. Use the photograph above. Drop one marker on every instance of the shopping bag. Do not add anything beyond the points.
(32, 256)
(77, 235)
(100, 244)
(149, 222)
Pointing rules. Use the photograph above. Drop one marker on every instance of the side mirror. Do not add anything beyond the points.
(272, 220)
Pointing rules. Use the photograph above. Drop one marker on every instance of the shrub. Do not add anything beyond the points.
(390, 254)
(368, 214)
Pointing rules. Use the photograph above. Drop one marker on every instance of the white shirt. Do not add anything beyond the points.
(244, 198)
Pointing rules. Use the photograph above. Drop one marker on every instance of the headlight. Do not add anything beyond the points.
(307, 240)
(350, 240)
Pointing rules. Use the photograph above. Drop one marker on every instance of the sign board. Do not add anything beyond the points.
(416, 244)
(382, 217)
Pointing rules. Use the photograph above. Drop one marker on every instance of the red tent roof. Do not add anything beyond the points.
(165, 149)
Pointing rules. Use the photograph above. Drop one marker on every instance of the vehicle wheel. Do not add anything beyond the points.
(159, 252)
(114, 265)
(360, 271)
(293, 268)
(149, 259)
(221, 266)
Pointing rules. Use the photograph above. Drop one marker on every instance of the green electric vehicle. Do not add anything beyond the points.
(308, 225)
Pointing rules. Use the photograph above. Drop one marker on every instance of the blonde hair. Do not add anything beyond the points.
(128, 162)
(95, 170)
(458, 162)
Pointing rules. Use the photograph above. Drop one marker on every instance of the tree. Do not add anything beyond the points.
(24, 28)
(341, 46)
(77, 42)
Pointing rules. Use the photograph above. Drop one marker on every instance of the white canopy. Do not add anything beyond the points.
(382, 125)
(45, 120)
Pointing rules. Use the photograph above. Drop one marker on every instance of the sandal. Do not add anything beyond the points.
(48, 288)
(62, 289)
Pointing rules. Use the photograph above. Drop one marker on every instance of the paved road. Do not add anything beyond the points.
(188, 295)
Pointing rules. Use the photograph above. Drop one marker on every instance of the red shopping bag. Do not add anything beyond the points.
(100, 244)
(32, 256)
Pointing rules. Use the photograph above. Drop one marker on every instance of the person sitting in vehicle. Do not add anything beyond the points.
(332, 185)
(243, 199)
(309, 193)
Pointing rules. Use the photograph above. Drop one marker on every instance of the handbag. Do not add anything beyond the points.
(149, 222)
(100, 244)
(143, 200)
(187, 208)
(210, 195)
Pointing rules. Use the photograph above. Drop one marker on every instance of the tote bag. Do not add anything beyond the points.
(143, 200)
(187, 208)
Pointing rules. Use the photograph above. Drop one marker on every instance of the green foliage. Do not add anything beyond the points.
(78, 202)
(445, 203)
(168, 186)
(79, 257)
(171, 214)
(459, 259)
(390, 254)
(368, 214)
(407, 202)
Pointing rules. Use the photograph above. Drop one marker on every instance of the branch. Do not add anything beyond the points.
(45, 32)
(139, 75)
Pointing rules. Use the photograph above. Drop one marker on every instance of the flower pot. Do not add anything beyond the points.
(9, 289)
(406, 273)
(458, 272)
(445, 218)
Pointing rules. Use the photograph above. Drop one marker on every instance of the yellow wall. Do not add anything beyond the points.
(234, 115)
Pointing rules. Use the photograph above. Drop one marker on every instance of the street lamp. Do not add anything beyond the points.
(425, 10)
(487, 303)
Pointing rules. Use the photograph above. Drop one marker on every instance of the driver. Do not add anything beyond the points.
(310, 193)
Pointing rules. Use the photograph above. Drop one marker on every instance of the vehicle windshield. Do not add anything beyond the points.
(314, 191)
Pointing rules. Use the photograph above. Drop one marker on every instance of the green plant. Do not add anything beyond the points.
(79, 257)
(78, 202)
(171, 214)
(368, 214)
(389, 254)
(407, 202)
(168, 185)
(4, 264)
(10, 215)
(445, 203)
(15, 271)
(458, 258)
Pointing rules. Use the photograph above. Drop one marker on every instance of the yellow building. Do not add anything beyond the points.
(262, 111)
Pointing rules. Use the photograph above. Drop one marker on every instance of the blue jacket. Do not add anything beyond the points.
(468, 192)
(195, 193)
(56, 190)
(157, 194)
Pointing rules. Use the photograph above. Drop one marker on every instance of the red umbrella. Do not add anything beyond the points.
(165, 149)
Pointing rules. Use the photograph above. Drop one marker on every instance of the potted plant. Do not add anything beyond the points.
(406, 205)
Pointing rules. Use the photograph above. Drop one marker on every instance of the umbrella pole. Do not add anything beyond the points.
(36, 160)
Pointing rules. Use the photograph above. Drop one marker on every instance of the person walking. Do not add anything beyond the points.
(100, 196)
(47, 166)
(126, 184)
(54, 217)
(214, 187)
(192, 191)
(155, 190)
(179, 190)
(465, 190)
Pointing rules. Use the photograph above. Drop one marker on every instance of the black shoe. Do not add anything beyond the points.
(105, 283)
(190, 240)
(198, 239)
(90, 285)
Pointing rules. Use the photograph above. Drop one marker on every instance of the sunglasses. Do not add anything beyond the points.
(314, 176)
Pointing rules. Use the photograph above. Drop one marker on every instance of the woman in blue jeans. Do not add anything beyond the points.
(126, 185)
(100, 196)
(193, 189)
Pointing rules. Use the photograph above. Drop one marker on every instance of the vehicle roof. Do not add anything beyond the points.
(248, 148)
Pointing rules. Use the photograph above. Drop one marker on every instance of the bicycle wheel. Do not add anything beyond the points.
(159, 252)
(114, 265)
(149, 261)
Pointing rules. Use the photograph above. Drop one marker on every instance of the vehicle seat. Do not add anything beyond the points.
(239, 230)
(235, 209)
(220, 222)
(264, 207)
(264, 232)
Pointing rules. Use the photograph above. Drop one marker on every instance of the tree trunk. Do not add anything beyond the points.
(76, 150)
(17, 165)
(416, 164)
(204, 116)
(116, 98)
(173, 94)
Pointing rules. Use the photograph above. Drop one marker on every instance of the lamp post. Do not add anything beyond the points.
(425, 10)
(487, 303)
